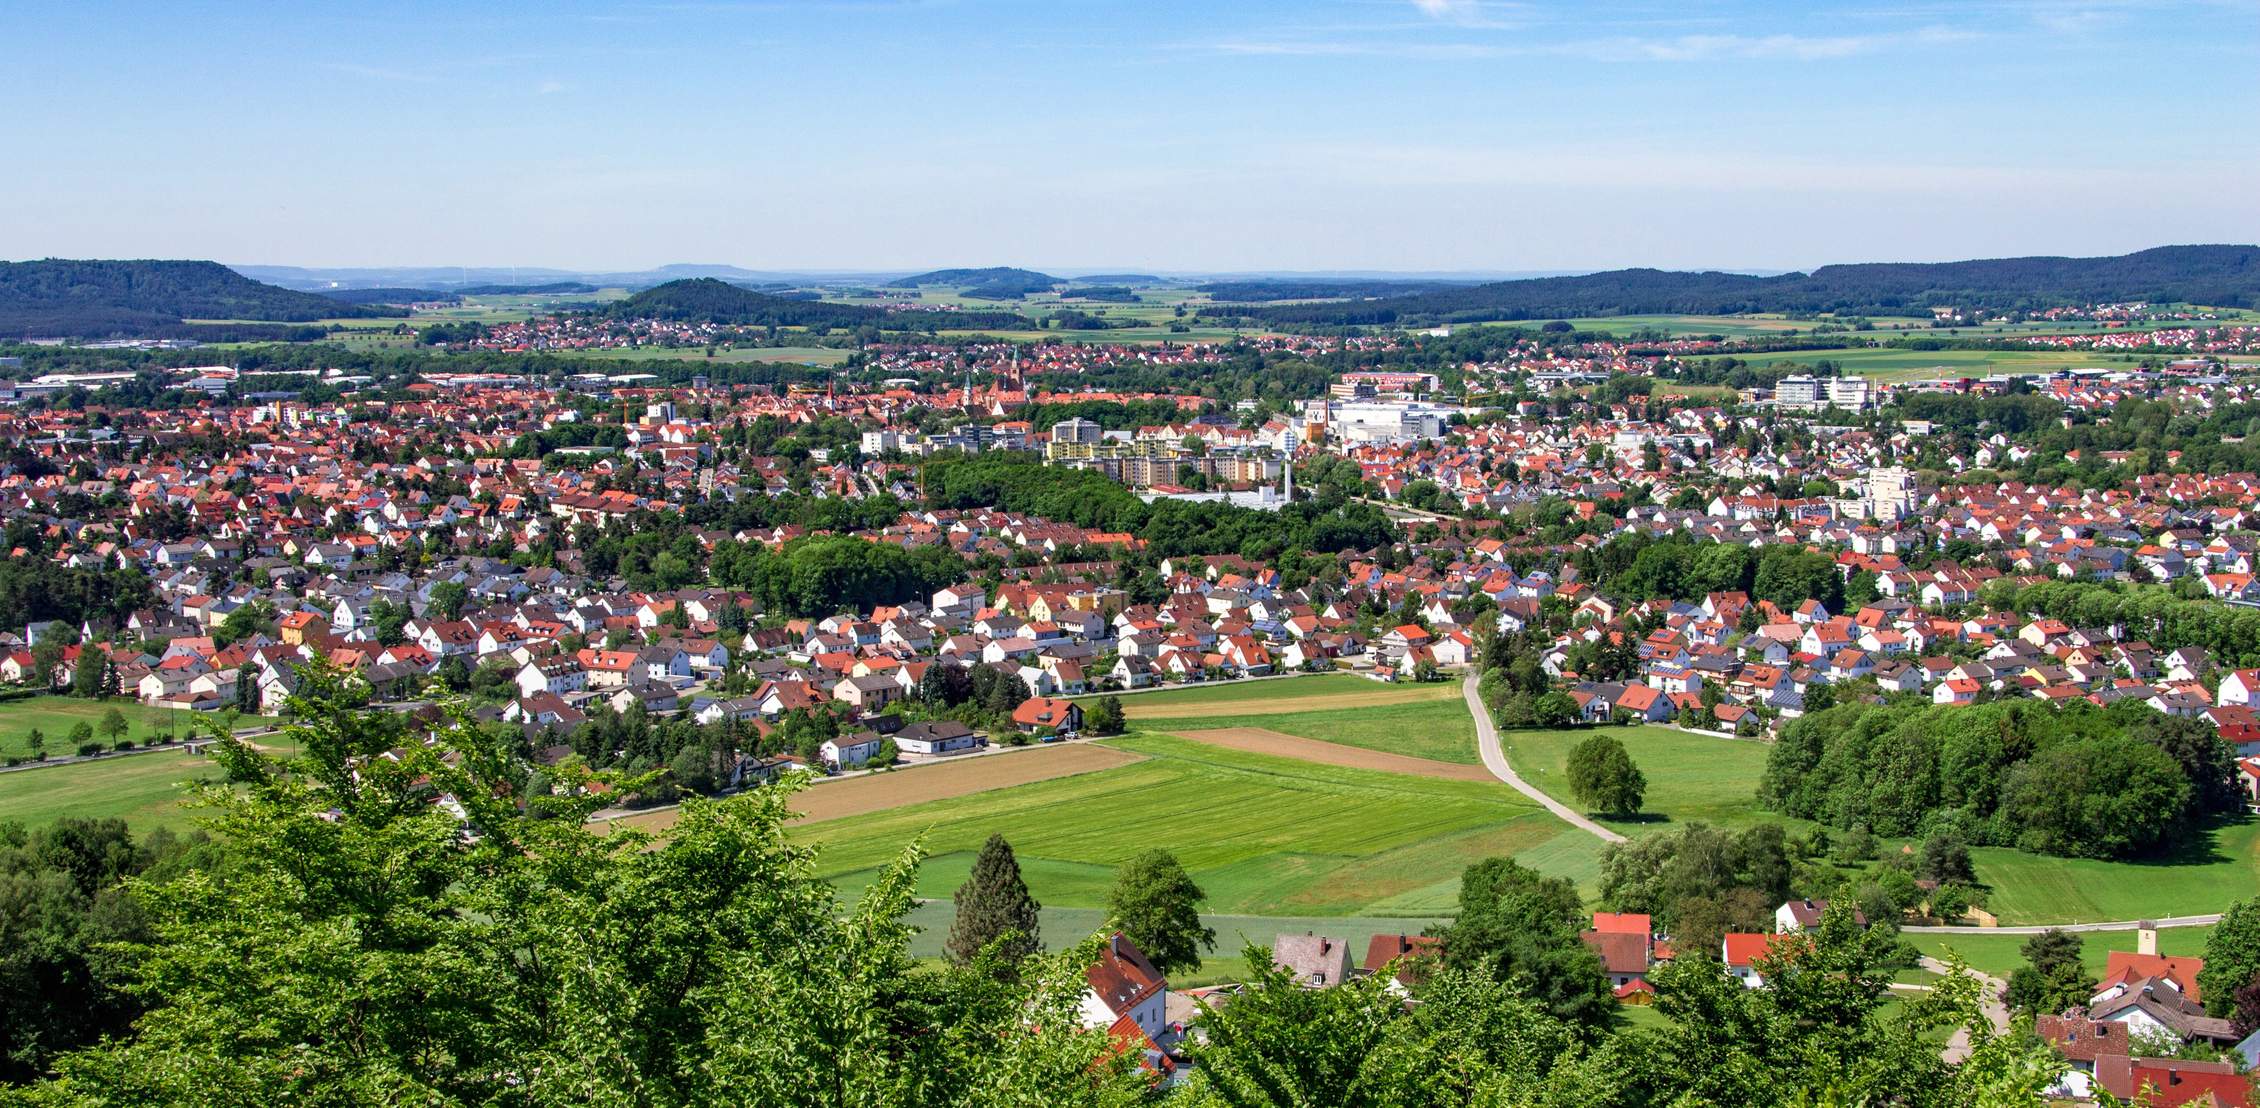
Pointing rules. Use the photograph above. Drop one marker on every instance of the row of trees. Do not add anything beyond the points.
(1153, 902)
(2082, 781)
(1170, 527)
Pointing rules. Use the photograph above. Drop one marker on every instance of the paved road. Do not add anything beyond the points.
(1996, 1013)
(2037, 928)
(1495, 760)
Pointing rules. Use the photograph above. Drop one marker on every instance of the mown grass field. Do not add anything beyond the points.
(1999, 954)
(1262, 835)
(2219, 868)
(54, 716)
(1432, 727)
(1885, 364)
(1691, 778)
(145, 790)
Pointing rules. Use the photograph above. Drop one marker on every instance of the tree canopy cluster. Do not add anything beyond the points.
(2082, 781)
(1170, 527)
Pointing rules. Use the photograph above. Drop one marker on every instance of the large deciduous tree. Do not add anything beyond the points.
(1157, 905)
(1603, 778)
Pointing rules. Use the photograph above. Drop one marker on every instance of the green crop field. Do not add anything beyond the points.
(1999, 954)
(55, 716)
(1893, 365)
(1433, 728)
(1262, 835)
(1690, 777)
(142, 789)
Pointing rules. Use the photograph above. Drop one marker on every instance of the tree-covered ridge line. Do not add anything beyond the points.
(93, 299)
(708, 300)
(2224, 276)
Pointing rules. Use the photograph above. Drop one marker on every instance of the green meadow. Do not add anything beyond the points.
(1998, 954)
(1691, 778)
(1264, 836)
(1437, 729)
(145, 790)
(55, 716)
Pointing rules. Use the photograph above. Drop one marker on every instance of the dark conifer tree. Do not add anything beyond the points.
(991, 903)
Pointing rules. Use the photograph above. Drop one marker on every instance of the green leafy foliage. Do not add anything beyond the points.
(1603, 778)
(2052, 978)
(2081, 781)
(1519, 927)
(1157, 905)
(2232, 957)
(402, 929)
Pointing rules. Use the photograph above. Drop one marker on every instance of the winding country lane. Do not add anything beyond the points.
(1495, 760)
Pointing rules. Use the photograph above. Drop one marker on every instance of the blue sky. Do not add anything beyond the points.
(1217, 135)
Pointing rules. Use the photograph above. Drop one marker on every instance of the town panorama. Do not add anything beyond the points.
(1540, 556)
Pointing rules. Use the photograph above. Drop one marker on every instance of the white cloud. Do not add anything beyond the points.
(549, 88)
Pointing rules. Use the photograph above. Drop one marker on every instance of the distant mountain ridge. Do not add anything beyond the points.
(96, 299)
(2219, 275)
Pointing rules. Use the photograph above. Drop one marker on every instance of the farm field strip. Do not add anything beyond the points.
(1434, 728)
(1257, 740)
(918, 784)
(1263, 835)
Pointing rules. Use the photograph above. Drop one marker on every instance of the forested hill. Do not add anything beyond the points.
(995, 283)
(706, 300)
(94, 299)
(2227, 276)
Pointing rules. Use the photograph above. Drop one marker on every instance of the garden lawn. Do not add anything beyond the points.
(1690, 777)
(1262, 835)
(2220, 867)
(1436, 728)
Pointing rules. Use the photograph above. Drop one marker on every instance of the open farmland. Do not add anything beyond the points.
(1265, 697)
(1263, 835)
(804, 355)
(1259, 740)
(878, 792)
(1432, 725)
(1894, 365)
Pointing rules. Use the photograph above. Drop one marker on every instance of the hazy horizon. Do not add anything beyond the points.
(1379, 136)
